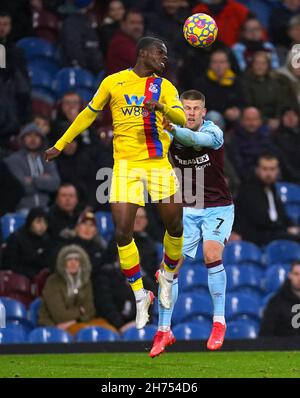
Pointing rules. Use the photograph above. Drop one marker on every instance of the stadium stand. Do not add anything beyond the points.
(254, 273)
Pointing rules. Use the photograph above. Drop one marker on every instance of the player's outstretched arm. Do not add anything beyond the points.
(212, 138)
(80, 124)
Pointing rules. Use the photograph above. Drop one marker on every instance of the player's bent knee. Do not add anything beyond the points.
(212, 252)
(175, 228)
(123, 237)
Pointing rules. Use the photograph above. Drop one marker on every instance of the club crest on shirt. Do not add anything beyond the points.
(153, 88)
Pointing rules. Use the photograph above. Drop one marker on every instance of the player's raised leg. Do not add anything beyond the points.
(171, 214)
(124, 216)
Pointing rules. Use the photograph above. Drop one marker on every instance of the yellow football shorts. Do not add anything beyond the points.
(131, 180)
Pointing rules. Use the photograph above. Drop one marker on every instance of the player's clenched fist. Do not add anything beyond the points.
(153, 105)
(51, 154)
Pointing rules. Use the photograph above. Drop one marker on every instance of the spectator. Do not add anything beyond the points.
(45, 22)
(265, 90)
(14, 79)
(67, 300)
(279, 21)
(221, 88)
(68, 109)
(79, 41)
(292, 71)
(188, 74)
(90, 240)
(27, 250)
(287, 141)
(229, 15)
(11, 190)
(63, 215)
(76, 167)
(167, 24)
(293, 33)
(250, 139)
(253, 40)
(260, 215)
(121, 52)
(111, 23)
(43, 124)
(38, 177)
(113, 298)
(278, 315)
(20, 11)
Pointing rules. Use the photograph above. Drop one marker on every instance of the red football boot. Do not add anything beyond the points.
(216, 337)
(161, 341)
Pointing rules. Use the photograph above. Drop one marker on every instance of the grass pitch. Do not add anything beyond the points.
(200, 365)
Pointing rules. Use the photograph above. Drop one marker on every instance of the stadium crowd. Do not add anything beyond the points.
(57, 53)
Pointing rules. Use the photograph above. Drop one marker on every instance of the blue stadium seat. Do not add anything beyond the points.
(238, 304)
(274, 278)
(261, 8)
(191, 304)
(145, 334)
(244, 276)
(238, 252)
(73, 78)
(288, 192)
(293, 212)
(10, 223)
(251, 291)
(11, 336)
(192, 277)
(47, 65)
(34, 310)
(94, 334)
(241, 330)
(36, 48)
(282, 252)
(100, 77)
(41, 79)
(85, 94)
(266, 299)
(105, 224)
(15, 310)
(192, 331)
(159, 250)
(22, 330)
(49, 335)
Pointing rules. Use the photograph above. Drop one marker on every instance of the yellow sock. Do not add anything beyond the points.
(172, 251)
(130, 265)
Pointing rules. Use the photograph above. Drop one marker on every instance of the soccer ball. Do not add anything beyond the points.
(200, 30)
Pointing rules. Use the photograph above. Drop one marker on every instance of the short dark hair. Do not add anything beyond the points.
(266, 156)
(146, 42)
(132, 11)
(294, 263)
(4, 13)
(67, 185)
(193, 95)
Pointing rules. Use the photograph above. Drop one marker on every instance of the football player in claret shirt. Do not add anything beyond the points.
(139, 100)
(200, 147)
